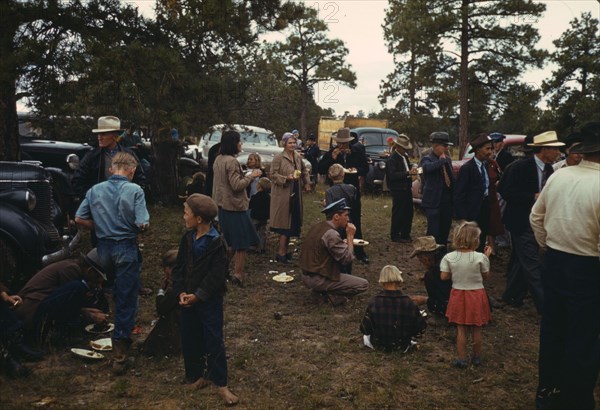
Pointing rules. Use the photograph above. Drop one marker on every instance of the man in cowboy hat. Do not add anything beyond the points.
(437, 187)
(61, 292)
(565, 221)
(472, 198)
(95, 165)
(520, 187)
(324, 254)
(350, 156)
(399, 175)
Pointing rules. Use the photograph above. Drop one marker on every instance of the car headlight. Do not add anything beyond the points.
(21, 198)
(381, 165)
(73, 161)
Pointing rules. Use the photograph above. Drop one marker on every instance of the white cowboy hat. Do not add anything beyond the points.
(108, 124)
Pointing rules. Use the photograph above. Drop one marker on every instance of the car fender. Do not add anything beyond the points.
(25, 232)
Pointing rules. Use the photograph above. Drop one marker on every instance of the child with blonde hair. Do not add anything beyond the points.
(468, 306)
(254, 162)
(392, 318)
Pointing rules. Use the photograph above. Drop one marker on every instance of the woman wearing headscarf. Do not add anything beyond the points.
(290, 178)
(229, 192)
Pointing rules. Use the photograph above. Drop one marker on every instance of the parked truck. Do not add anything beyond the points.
(330, 125)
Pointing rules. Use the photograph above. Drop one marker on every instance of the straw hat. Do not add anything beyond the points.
(546, 139)
(108, 123)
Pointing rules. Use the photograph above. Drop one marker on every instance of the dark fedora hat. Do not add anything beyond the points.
(590, 138)
(440, 137)
(479, 142)
(100, 266)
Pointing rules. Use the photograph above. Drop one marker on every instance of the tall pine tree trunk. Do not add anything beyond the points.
(463, 129)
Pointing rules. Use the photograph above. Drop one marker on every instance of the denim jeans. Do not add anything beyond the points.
(126, 262)
(202, 341)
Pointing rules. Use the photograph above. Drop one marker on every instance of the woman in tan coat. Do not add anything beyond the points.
(290, 178)
(229, 192)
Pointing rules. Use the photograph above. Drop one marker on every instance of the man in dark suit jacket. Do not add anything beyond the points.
(520, 187)
(437, 187)
(349, 156)
(399, 179)
(471, 192)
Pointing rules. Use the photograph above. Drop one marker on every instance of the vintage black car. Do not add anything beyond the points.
(374, 140)
(34, 228)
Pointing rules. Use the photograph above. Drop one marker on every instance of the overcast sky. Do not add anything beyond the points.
(358, 23)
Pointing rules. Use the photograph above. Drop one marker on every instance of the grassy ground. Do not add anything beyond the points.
(312, 357)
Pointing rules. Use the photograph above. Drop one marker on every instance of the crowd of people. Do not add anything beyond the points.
(545, 205)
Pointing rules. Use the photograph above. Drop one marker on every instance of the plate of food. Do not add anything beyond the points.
(87, 354)
(102, 345)
(283, 278)
(359, 242)
(350, 170)
(100, 328)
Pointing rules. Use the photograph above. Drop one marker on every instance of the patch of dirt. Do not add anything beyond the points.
(287, 350)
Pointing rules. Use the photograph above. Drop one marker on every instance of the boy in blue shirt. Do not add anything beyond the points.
(116, 209)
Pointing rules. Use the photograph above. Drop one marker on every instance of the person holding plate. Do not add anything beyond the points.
(289, 179)
(351, 157)
(324, 256)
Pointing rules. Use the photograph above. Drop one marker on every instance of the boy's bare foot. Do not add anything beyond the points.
(199, 384)
(230, 398)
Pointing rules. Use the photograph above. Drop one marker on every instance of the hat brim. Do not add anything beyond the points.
(409, 146)
(472, 149)
(419, 251)
(584, 148)
(547, 144)
(448, 143)
(102, 130)
(336, 139)
(332, 211)
(94, 265)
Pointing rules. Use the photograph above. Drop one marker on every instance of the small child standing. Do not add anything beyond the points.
(468, 306)
(254, 162)
(260, 205)
(199, 282)
(339, 190)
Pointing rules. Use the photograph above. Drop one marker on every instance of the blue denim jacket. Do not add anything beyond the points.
(117, 207)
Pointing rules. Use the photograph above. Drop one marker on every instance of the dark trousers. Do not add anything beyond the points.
(569, 334)
(10, 324)
(483, 221)
(525, 271)
(202, 341)
(439, 219)
(402, 214)
(60, 309)
(355, 217)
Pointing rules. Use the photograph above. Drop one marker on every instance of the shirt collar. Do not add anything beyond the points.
(540, 164)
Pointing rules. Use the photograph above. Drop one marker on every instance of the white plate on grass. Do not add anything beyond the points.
(87, 354)
(102, 345)
(97, 330)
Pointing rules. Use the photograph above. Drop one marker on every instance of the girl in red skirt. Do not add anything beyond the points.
(468, 306)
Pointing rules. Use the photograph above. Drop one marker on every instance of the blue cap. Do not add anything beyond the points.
(497, 136)
(337, 206)
(295, 132)
(174, 133)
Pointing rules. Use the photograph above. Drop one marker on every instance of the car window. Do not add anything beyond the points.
(261, 138)
(371, 138)
(375, 149)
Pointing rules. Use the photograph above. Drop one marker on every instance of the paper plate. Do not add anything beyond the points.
(104, 329)
(102, 345)
(283, 277)
(359, 242)
(87, 354)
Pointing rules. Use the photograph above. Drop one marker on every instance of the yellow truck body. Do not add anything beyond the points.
(329, 125)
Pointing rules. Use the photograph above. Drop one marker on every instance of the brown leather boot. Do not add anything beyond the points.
(120, 348)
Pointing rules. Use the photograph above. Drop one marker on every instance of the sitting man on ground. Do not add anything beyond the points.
(60, 294)
(324, 254)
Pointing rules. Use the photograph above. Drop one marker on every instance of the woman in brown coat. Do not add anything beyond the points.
(290, 178)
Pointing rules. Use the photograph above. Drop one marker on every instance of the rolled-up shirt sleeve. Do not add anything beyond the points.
(536, 219)
(339, 250)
